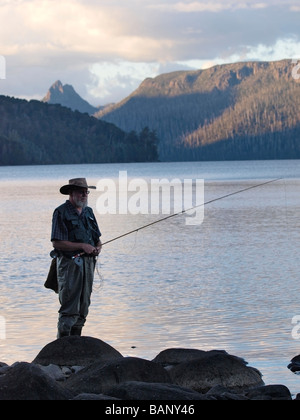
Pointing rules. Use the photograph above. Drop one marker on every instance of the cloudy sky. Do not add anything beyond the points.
(106, 48)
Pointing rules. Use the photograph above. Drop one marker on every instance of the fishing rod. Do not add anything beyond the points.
(78, 258)
(188, 210)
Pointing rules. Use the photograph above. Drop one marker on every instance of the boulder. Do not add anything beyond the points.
(55, 372)
(26, 381)
(99, 377)
(294, 366)
(93, 397)
(270, 392)
(216, 368)
(76, 351)
(154, 392)
(221, 393)
(3, 368)
(172, 357)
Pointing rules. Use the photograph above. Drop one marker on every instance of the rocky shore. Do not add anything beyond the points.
(86, 368)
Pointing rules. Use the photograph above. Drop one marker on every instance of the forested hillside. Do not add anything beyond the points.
(37, 133)
(234, 111)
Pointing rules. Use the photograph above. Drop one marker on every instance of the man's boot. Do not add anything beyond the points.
(61, 334)
(76, 331)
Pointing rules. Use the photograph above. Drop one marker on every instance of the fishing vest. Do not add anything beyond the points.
(81, 228)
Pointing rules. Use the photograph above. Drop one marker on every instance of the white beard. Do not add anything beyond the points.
(80, 204)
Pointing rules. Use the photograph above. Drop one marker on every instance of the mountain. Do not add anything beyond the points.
(245, 110)
(65, 95)
(36, 133)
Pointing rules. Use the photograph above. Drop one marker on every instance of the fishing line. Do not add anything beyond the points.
(189, 210)
(100, 275)
(176, 215)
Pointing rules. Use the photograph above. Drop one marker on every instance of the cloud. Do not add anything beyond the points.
(52, 28)
(121, 78)
(106, 48)
(49, 25)
(135, 30)
(111, 78)
(217, 6)
(214, 7)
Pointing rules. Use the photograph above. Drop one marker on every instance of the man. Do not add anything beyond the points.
(75, 232)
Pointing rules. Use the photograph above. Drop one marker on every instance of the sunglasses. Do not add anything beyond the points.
(82, 192)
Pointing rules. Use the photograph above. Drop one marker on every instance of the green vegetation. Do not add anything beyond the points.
(37, 133)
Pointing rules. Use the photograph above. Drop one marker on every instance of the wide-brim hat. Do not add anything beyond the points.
(75, 184)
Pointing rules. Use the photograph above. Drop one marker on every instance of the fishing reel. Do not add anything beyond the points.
(54, 254)
(76, 258)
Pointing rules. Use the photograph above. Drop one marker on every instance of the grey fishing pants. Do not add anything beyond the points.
(75, 286)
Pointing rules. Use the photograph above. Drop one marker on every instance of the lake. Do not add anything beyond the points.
(229, 283)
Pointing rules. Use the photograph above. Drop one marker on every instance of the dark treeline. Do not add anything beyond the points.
(262, 123)
(234, 111)
(37, 133)
(276, 145)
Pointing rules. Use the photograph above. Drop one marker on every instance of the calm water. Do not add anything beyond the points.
(231, 283)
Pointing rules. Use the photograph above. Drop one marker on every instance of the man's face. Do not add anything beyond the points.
(80, 197)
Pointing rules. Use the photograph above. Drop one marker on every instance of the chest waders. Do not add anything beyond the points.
(75, 281)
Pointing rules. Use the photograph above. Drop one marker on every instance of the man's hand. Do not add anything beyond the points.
(89, 249)
(98, 249)
(92, 250)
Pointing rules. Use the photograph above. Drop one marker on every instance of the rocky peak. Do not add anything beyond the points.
(66, 95)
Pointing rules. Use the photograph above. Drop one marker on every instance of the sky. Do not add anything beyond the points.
(106, 48)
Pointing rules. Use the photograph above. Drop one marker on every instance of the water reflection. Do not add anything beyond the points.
(231, 283)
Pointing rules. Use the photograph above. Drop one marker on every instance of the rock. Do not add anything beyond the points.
(173, 357)
(60, 373)
(93, 397)
(66, 371)
(176, 356)
(270, 392)
(76, 351)
(27, 381)
(216, 369)
(221, 393)
(86, 368)
(55, 372)
(133, 390)
(99, 377)
(3, 368)
(76, 369)
(294, 366)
